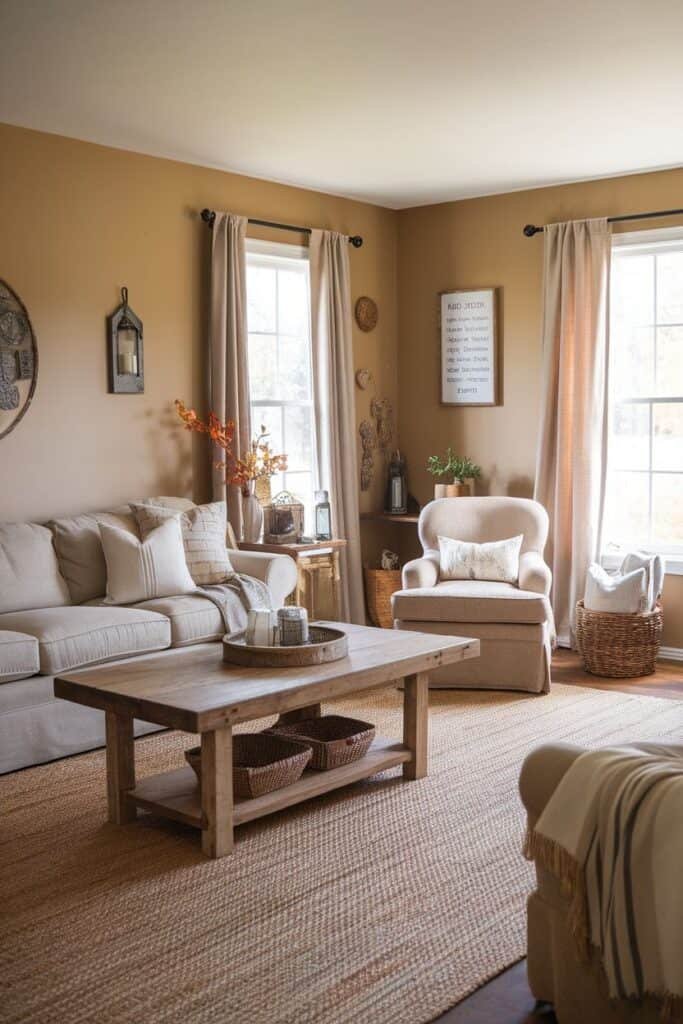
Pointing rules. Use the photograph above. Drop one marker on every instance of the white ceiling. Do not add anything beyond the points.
(398, 102)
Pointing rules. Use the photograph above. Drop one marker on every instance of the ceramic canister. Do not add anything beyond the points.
(292, 625)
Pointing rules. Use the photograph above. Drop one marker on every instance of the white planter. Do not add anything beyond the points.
(252, 517)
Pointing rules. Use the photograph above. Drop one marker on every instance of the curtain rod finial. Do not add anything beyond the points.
(356, 241)
(208, 216)
(530, 230)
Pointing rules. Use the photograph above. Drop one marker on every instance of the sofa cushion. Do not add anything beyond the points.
(194, 619)
(29, 571)
(470, 601)
(84, 635)
(79, 550)
(18, 656)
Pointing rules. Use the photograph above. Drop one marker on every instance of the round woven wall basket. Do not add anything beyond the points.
(618, 645)
(380, 584)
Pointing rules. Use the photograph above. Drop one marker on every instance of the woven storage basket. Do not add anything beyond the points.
(261, 762)
(335, 740)
(618, 645)
(380, 584)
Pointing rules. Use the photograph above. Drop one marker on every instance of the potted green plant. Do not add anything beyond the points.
(453, 473)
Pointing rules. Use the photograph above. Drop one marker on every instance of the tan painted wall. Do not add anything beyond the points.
(479, 242)
(77, 222)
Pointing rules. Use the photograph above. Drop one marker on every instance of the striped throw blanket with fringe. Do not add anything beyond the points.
(612, 833)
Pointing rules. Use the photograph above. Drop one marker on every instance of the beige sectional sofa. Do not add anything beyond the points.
(53, 619)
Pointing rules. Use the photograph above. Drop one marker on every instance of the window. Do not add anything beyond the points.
(644, 496)
(280, 371)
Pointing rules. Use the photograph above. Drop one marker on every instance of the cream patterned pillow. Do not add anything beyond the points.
(463, 560)
(203, 529)
(138, 570)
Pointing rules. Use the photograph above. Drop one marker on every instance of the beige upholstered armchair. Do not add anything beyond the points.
(513, 623)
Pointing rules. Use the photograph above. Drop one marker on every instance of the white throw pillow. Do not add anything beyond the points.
(464, 560)
(654, 572)
(605, 593)
(138, 570)
(204, 530)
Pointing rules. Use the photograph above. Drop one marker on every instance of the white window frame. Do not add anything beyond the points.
(650, 243)
(267, 254)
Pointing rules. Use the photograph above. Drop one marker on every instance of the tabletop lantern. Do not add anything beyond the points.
(283, 520)
(126, 369)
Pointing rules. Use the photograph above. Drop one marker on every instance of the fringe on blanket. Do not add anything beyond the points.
(555, 859)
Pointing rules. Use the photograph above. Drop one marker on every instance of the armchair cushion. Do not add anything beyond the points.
(497, 560)
(470, 601)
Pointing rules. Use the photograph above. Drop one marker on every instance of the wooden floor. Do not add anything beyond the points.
(507, 999)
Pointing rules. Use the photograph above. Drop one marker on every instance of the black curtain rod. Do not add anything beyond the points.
(531, 229)
(209, 216)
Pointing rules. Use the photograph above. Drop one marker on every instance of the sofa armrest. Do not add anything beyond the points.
(421, 572)
(541, 773)
(534, 574)
(278, 572)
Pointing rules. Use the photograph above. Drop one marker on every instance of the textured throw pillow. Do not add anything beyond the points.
(138, 570)
(605, 593)
(654, 573)
(203, 530)
(464, 560)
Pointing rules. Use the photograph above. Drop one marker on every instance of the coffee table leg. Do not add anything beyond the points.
(217, 838)
(416, 724)
(120, 766)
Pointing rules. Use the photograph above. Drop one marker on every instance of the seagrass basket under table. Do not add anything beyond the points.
(616, 644)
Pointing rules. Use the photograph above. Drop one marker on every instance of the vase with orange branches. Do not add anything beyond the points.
(259, 462)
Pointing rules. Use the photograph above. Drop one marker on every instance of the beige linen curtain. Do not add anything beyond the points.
(228, 342)
(570, 465)
(334, 404)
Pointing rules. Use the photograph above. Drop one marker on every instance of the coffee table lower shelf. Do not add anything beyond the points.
(175, 794)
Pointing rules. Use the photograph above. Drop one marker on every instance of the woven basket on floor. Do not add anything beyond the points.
(618, 645)
(380, 584)
(335, 740)
(260, 763)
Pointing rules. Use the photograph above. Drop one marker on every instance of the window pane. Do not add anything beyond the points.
(632, 362)
(633, 290)
(670, 361)
(271, 418)
(670, 288)
(295, 369)
(667, 445)
(298, 439)
(667, 499)
(292, 302)
(630, 437)
(626, 509)
(260, 298)
(262, 366)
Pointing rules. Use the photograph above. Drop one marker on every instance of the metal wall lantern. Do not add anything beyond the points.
(124, 342)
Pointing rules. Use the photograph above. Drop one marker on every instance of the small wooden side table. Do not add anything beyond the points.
(316, 563)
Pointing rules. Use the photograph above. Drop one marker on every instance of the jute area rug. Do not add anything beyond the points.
(387, 902)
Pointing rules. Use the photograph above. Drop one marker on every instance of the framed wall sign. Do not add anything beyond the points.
(469, 343)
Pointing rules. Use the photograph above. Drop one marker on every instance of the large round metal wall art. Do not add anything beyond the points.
(18, 359)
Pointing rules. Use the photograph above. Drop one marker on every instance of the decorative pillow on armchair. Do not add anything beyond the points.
(497, 560)
(138, 570)
(204, 530)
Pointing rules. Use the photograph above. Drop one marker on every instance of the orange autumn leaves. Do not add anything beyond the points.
(258, 461)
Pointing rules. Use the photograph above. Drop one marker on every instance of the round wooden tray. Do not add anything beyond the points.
(325, 644)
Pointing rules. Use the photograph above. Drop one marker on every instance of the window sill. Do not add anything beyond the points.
(673, 564)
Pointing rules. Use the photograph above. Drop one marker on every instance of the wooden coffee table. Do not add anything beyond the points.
(192, 689)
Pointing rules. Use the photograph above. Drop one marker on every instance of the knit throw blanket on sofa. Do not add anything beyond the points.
(235, 597)
(612, 832)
